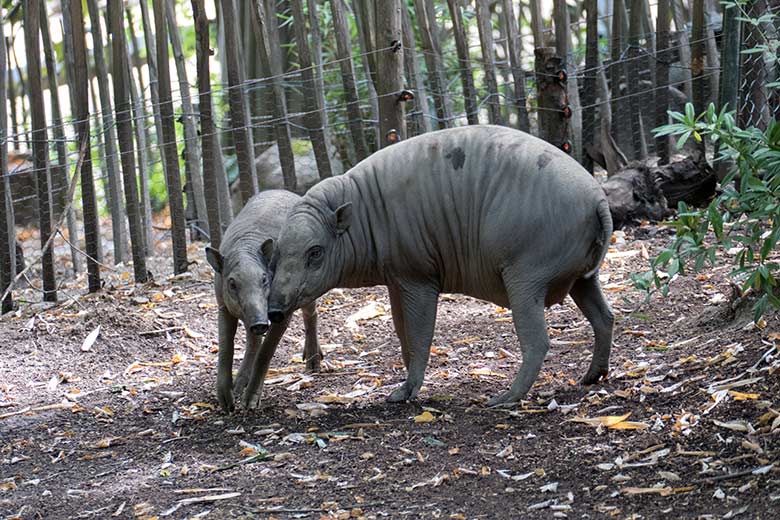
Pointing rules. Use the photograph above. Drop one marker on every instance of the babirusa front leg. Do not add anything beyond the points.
(227, 332)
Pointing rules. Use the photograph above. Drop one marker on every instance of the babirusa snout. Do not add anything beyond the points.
(275, 315)
(259, 327)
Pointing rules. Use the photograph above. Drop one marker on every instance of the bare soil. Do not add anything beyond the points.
(129, 426)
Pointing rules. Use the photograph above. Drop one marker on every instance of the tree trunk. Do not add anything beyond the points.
(168, 144)
(515, 58)
(634, 55)
(366, 44)
(421, 115)
(142, 136)
(6, 242)
(697, 57)
(40, 148)
(191, 149)
(74, 35)
(551, 97)
(537, 23)
(589, 87)
(246, 170)
(316, 46)
(208, 131)
(433, 62)
(270, 61)
(713, 56)
(314, 117)
(344, 57)
(683, 45)
(390, 71)
(486, 42)
(14, 134)
(617, 75)
(563, 46)
(124, 124)
(151, 63)
(662, 144)
(464, 62)
(60, 171)
(109, 135)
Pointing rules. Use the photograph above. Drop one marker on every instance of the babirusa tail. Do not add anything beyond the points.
(605, 235)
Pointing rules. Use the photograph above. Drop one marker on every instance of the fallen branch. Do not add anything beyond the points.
(160, 331)
(248, 460)
(349, 507)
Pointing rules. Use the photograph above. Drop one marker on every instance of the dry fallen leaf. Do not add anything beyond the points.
(90, 339)
(605, 420)
(424, 417)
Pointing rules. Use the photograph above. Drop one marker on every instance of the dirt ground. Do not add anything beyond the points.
(127, 426)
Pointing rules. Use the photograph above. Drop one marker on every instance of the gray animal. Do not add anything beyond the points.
(242, 282)
(486, 211)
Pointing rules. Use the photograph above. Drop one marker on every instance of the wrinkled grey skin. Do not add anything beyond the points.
(242, 283)
(486, 211)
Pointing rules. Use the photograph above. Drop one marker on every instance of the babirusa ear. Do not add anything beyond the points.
(343, 217)
(267, 249)
(215, 259)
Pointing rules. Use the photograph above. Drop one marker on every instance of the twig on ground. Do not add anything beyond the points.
(249, 460)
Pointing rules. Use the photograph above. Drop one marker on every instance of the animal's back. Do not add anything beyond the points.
(461, 204)
(262, 217)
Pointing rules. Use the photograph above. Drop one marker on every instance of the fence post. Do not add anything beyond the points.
(730, 49)
(420, 118)
(551, 97)
(662, 79)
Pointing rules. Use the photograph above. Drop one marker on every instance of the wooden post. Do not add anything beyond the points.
(563, 48)
(421, 115)
(314, 117)
(486, 42)
(433, 60)
(151, 63)
(697, 57)
(590, 87)
(192, 158)
(124, 124)
(271, 62)
(60, 171)
(168, 144)
(109, 135)
(390, 72)
(515, 58)
(551, 98)
(40, 148)
(80, 88)
(6, 242)
(464, 62)
(246, 170)
(208, 131)
(662, 55)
